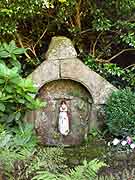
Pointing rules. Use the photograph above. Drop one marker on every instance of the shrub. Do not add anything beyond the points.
(119, 77)
(9, 54)
(120, 112)
(16, 93)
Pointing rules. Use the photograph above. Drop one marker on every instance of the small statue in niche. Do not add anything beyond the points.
(63, 119)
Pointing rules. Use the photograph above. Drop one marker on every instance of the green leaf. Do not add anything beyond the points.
(28, 97)
(12, 45)
(4, 54)
(18, 115)
(4, 140)
(2, 107)
(19, 51)
(2, 81)
(10, 118)
(3, 70)
(5, 98)
(22, 101)
(6, 47)
(9, 89)
(16, 63)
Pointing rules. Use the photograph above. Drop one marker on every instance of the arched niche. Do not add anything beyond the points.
(79, 102)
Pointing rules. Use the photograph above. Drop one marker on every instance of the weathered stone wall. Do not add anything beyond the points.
(79, 104)
(62, 64)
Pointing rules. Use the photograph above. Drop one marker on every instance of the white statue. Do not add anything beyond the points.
(63, 119)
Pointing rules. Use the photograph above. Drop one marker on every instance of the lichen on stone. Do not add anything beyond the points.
(60, 48)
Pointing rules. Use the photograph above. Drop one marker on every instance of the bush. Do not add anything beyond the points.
(16, 93)
(120, 112)
(119, 77)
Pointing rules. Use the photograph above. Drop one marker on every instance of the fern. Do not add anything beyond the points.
(45, 175)
(48, 159)
(82, 172)
(75, 174)
(16, 145)
(106, 178)
(92, 168)
(87, 170)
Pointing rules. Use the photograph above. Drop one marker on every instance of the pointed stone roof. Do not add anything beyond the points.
(62, 63)
(60, 48)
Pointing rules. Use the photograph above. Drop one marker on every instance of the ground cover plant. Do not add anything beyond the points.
(22, 158)
(85, 171)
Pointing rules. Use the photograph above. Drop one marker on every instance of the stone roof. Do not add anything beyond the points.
(62, 63)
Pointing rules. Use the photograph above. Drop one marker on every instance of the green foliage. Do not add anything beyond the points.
(129, 38)
(107, 69)
(41, 175)
(16, 145)
(16, 95)
(103, 27)
(94, 135)
(21, 158)
(100, 22)
(120, 112)
(9, 53)
(120, 77)
(14, 11)
(122, 24)
(29, 20)
(86, 171)
(48, 159)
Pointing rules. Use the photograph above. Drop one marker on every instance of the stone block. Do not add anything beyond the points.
(46, 72)
(60, 48)
(98, 87)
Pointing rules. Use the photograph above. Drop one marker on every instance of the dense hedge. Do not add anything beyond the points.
(120, 112)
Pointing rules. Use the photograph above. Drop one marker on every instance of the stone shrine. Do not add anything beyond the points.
(62, 77)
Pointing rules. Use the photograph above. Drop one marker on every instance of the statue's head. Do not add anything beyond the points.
(63, 102)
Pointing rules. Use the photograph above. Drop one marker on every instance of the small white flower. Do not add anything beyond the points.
(132, 146)
(124, 143)
(109, 144)
(115, 141)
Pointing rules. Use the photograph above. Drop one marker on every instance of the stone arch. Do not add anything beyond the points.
(73, 69)
(39, 86)
(79, 105)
